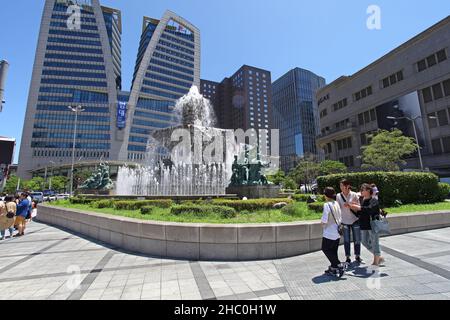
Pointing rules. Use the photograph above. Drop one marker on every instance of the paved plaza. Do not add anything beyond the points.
(49, 263)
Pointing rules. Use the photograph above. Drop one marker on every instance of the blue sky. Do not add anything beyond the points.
(328, 37)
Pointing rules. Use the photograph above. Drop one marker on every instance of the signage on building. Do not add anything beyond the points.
(121, 115)
(323, 99)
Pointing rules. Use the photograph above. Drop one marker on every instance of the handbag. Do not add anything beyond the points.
(381, 226)
(340, 226)
(10, 215)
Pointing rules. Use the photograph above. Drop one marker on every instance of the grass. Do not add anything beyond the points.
(420, 208)
(298, 212)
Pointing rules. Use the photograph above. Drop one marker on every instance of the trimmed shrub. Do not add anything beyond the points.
(444, 191)
(102, 204)
(80, 200)
(204, 210)
(251, 205)
(147, 210)
(137, 205)
(407, 187)
(316, 207)
(305, 197)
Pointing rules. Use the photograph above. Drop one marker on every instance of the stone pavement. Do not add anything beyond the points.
(49, 263)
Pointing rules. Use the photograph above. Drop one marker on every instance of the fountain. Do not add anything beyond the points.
(192, 159)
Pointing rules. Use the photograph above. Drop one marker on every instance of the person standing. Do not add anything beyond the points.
(331, 221)
(23, 209)
(368, 210)
(350, 221)
(7, 215)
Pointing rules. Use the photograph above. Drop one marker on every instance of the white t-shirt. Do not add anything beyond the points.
(330, 230)
(348, 217)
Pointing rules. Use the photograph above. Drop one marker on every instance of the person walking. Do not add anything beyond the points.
(7, 215)
(23, 209)
(350, 221)
(368, 210)
(331, 222)
(34, 210)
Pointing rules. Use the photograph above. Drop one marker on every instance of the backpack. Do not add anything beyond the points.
(10, 214)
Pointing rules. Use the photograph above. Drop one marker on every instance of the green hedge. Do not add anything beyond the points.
(316, 206)
(102, 204)
(204, 210)
(407, 187)
(305, 197)
(250, 205)
(444, 191)
(80, 200)
(137, 205)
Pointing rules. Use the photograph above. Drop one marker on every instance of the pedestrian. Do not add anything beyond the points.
(376, 192)
(331, 222)
(34, 210)
(368, 210)
(350, 221)
(7, 217)
(22, 212)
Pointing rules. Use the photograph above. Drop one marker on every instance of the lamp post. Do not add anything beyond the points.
(413, 120)
(77, 109)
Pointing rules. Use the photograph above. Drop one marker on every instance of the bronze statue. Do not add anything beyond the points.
(100, 180)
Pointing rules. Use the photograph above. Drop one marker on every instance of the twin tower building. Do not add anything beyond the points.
(78, 63)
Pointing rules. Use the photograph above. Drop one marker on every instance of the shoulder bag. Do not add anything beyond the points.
(340, 226)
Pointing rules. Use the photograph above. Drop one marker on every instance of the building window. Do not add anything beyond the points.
(446, 144)
(447, 87)
(426, 93)
(442, 117)
(432, 60)
(437, 147)
(363, 93)
(392, 79)
(432, 121)
(437, 91)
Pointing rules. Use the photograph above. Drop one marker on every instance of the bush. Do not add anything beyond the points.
(204, 210)
(102, 204)
(137, 205)
(80, 200)
(407, 187)
(444, 191)
(147, 210)
(316, 207)
(250, 205)
(305, 197)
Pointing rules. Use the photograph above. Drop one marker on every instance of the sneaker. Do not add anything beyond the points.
(340, 272)
(359, 260)
(348, 261)
(2, 238)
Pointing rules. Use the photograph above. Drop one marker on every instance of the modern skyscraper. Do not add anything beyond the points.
(295, 114)
(244, 101)
(167, 66)
(412, 81)
(78, 62)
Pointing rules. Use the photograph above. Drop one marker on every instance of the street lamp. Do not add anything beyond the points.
(77, 109)
(413, 120)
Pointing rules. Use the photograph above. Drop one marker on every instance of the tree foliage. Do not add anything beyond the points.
(387, 150)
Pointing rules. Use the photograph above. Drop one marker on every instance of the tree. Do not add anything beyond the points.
(305, 172)
(35, 184)
(59, 183)
(278, 178)
(387, 150)
(79, 177)
(11, 185)
(290, 184)
(328, 167)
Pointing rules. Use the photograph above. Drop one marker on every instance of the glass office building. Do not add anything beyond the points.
(295, 115)
(78, 63)
(167, 66)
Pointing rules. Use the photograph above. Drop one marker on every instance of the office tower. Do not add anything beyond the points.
(411, 81)
(295, 115)
(77, 63)
(167, 66)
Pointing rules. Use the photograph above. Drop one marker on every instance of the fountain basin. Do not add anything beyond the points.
(209, 242)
